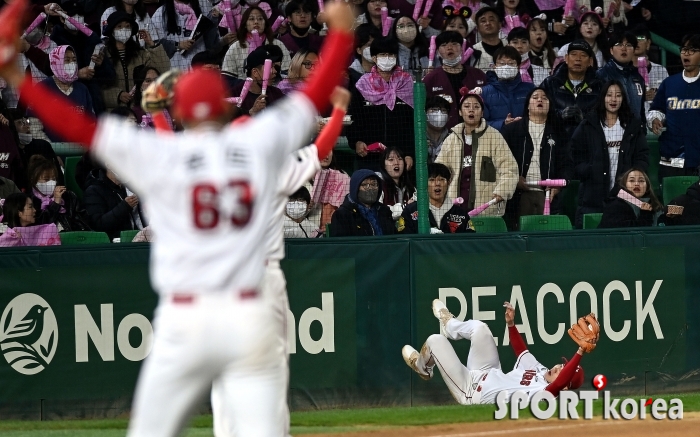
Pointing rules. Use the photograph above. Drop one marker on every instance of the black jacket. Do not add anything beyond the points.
(690, 201)
(106, 208)
(619, 213)
(561, 93)
(455, 221)
(71, 219)
(592, 162)
(347, 221)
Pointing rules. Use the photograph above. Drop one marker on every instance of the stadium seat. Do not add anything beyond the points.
(489, 224)
(327, 232)
(127, 236)
(591, 221)
(71, 184)
(654, 157)
(83, 237)
(676, 185)
(545, 223)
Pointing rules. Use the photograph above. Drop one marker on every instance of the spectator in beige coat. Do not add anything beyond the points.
(479, 158)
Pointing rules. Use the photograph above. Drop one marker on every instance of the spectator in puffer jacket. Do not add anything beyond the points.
(361, 214)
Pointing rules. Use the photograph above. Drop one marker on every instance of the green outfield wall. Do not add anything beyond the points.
(355, 303)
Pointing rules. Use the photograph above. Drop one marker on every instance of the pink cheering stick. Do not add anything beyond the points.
(479, 209)
(257, 40)
(244, 91)
(642, 67)
(466, 52)
(228, 12)
(416, 10)
(426, 11)
(624, 195)
(386, 21)
(549, 183)
(431, 52)
(266, 75)
(278, 22)
(569, 8)
(234, 100)
(611, 10)
(78, 25)
(98, 48)
(37, 21)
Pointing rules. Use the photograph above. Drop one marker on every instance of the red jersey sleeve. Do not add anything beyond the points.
(565, 376)
(334, 56)
(329, 134)
(57, 113)
(516, 341)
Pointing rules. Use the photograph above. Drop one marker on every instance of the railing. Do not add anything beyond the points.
(665, 46)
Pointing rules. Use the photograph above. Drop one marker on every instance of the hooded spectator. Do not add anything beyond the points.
(361, 214)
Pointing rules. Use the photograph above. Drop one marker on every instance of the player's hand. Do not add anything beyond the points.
(510, 314)
(409, 162)
(321, 18)
(361, 149)
(339, 17)
(132, 200)
(86, 73)
(340, 98)
(656, 126)
(185, 44)
(259, 105)
(124, 97)
(58, 193)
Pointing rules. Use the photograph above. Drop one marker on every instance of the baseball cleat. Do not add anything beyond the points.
(441, 313)
(410, 356)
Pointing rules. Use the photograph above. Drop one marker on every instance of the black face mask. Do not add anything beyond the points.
(300, 30)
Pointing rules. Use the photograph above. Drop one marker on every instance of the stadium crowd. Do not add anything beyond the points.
(523, 97)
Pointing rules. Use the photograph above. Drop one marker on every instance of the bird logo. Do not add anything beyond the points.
(29, 335)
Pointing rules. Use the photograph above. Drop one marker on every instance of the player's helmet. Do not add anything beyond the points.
(577, 379)
(199, 95)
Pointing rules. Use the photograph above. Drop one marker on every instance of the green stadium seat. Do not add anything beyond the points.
(71, 184)
(677, 185)
(127, 236)
(591, 221)
(327, 233)
(654, 157)
(83, 237)
(545, 223)
(489, 224)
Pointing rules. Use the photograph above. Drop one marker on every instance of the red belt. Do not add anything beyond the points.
(191, 298)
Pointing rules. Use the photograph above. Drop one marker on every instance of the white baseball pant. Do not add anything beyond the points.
(213, 335)
(274, 289)
(482, 357)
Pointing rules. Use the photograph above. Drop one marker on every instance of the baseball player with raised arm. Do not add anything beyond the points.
(299, 167)
(209, 192)
(481, 380)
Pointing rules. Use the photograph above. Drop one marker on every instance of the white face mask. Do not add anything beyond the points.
(386, 63)
(77, 18)
(506, 71)
(296, 209)
(70, 68)
(452, 62)
(122, 35)
(407, 34)
(25, 138)
(437, 119)
(46, 188)
(367, 54)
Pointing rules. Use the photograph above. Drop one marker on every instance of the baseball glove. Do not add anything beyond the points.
(159, 94)
(586, 332)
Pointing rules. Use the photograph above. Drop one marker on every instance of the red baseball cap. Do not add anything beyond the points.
(199, 95)
(577, 379)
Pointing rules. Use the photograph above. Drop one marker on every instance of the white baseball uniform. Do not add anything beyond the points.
(300, 166)
(480, 381)
(211, 198)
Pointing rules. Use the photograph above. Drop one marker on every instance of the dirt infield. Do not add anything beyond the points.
(689, 426)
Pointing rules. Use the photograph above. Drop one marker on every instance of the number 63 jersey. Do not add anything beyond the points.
(527, 375)
(209, 193)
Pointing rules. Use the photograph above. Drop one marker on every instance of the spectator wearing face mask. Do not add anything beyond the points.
(430, 21)
(382, 109)
(301, 13)
(53, 203)
(30, 146)
(363, 63)
(519, 39)
(38, 39)
(255, 100)
(296, 221)
(413, 46)
(446, 81)
(504, 96)
(64, 65)
(136, 9)
(437, 112)
(361, 214)
(125, 54)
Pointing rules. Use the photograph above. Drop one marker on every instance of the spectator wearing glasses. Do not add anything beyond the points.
(657, 73)
(446, 81)
(301, 13)
(429, 21)
(301, 66)
(621, 68)
(361, 214)
(437, 111)
(504, 96)
(676, 107)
